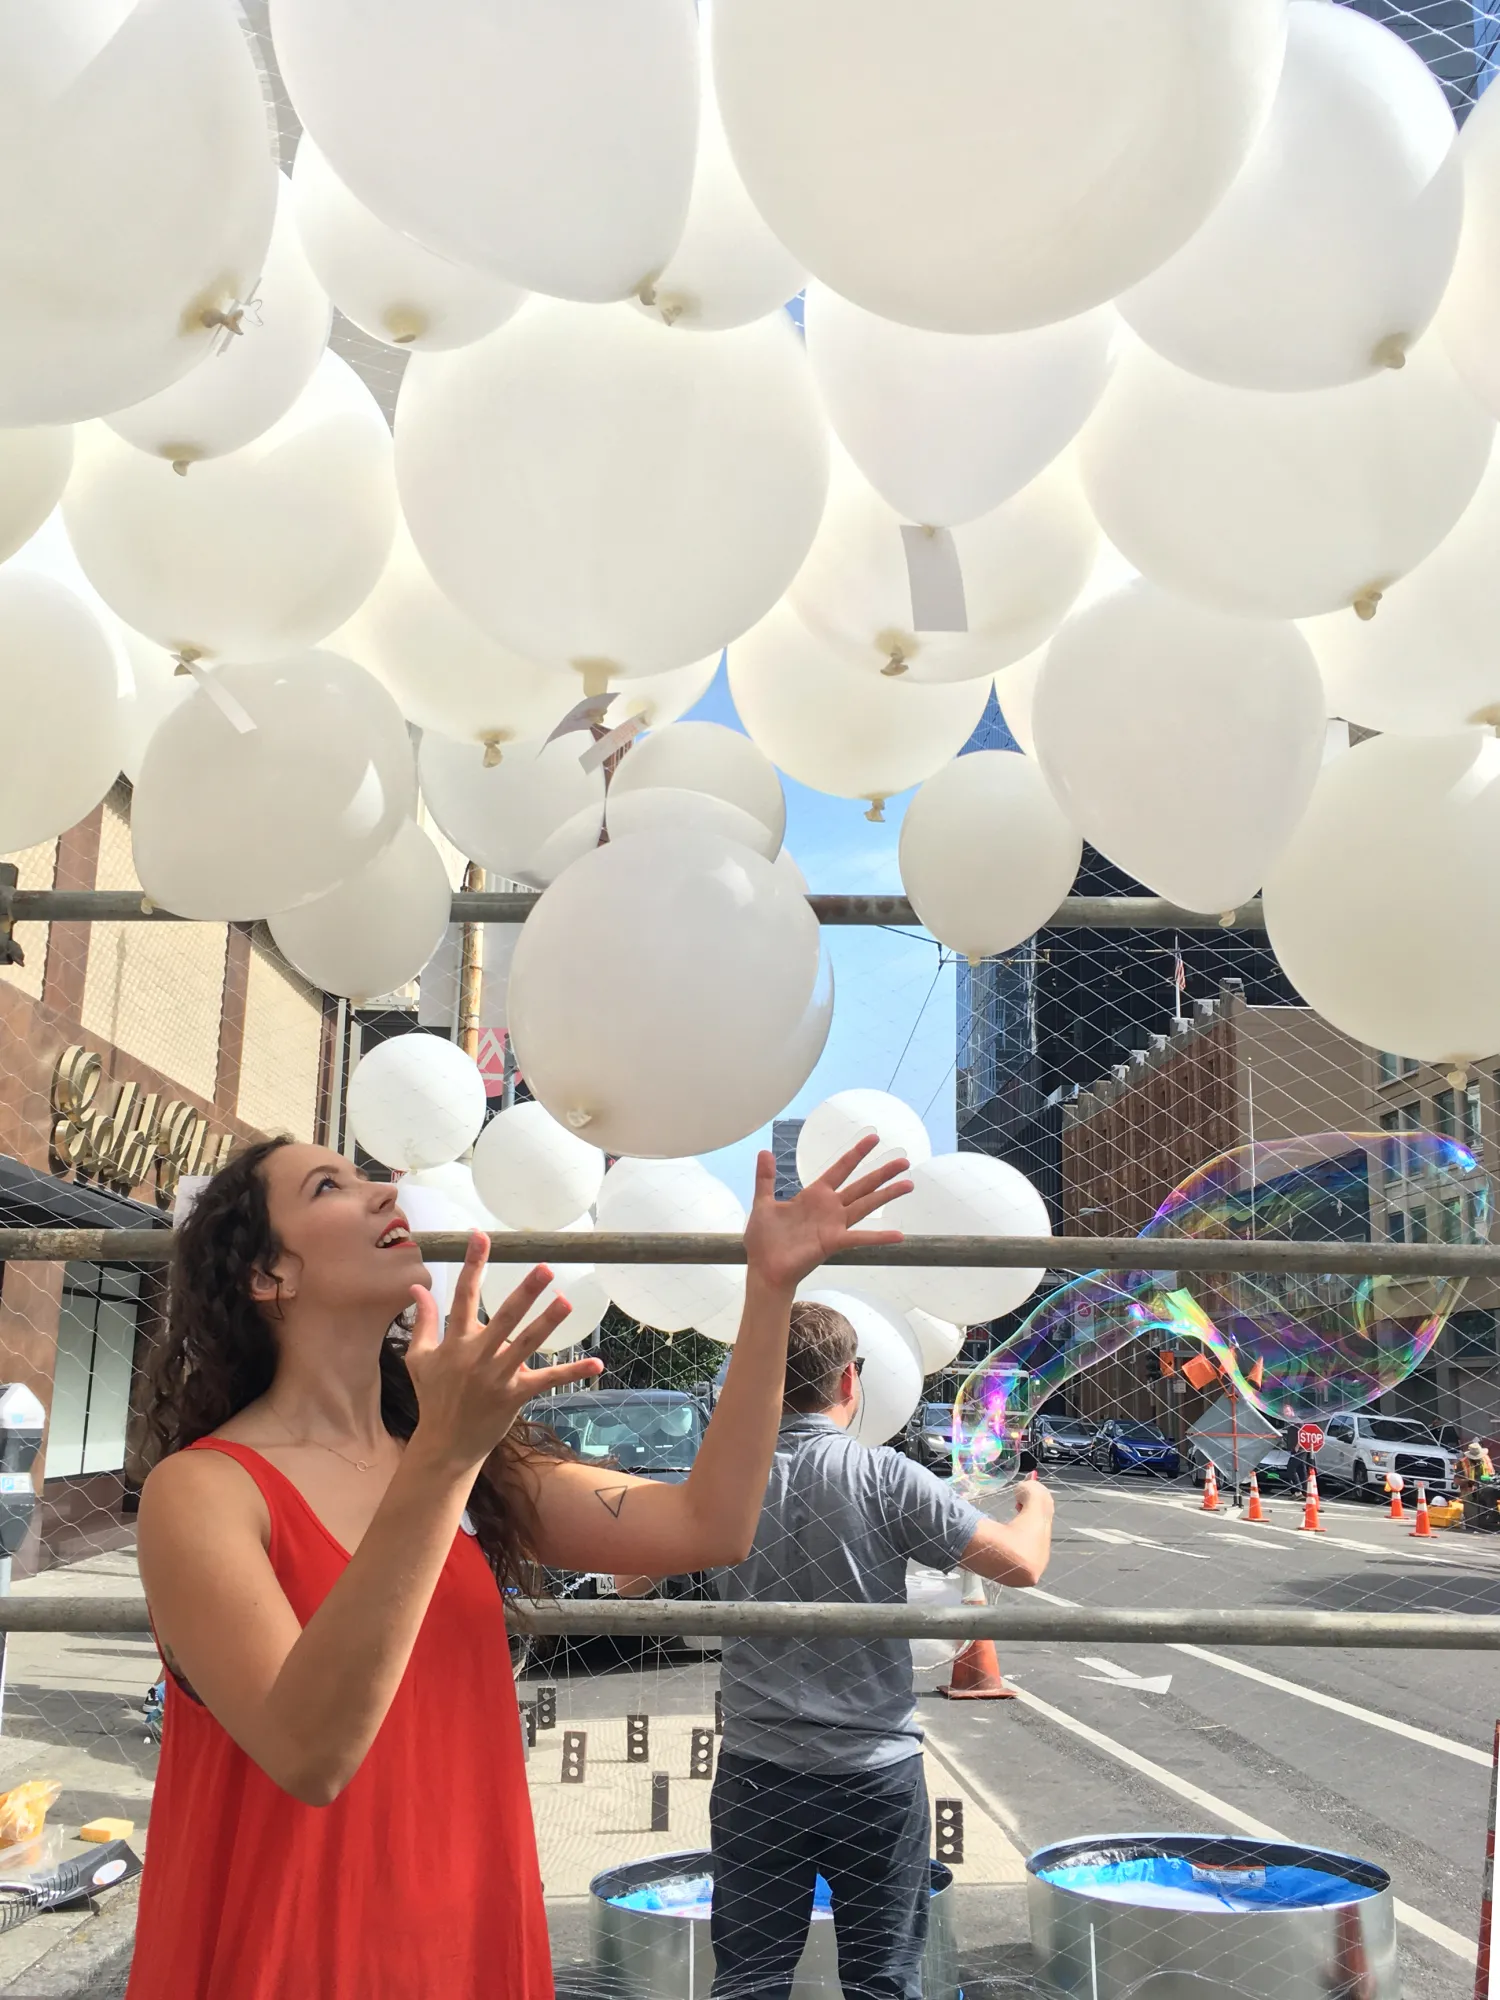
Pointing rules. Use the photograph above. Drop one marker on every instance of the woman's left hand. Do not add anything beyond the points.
(785, 1241)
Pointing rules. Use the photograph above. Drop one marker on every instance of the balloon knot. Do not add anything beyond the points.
(230, 322)
(1367, 603)
(405, 324)
(1226, 922)
(1489, 716)
(493, 753)
(576, 1120)
(187, 657)
(877, 809)
(597, 674)
(1458, 1077)
(180, 458)
(148, 908)
(893, 666)
(1390, 352)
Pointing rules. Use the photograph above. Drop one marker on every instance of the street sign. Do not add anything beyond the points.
(1234, 1435)
(1310, 1437)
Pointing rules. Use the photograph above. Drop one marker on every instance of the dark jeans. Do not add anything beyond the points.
(775, 1831)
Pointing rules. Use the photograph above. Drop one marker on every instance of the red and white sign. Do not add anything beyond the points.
(1310, 1437)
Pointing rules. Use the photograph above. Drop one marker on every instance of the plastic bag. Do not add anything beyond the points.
(23, 1817)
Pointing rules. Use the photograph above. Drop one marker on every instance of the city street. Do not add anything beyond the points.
(1382, 1754)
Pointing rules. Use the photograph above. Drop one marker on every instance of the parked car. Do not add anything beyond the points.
(653, 1433)
(1124, 1444)
(1061, 1440)
(1358, 1452)
(928, 1437)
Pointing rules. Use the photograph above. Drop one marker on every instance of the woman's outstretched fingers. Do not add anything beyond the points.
(879, 1179)
(566, 1372)
(867, 1205)
(522, 1345)
(463, 1314)
(509, 1314)
(841, 1169)
(426, 1332)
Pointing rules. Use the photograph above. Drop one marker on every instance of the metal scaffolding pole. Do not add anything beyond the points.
(1418, 1263)
(1101, 913)
(1011, 1621)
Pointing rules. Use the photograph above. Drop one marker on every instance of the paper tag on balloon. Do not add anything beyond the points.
(231, 710)
(606, 746)
(586, 714)
(937, 580)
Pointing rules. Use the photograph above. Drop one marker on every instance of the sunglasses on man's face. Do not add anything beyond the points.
(859, 1364)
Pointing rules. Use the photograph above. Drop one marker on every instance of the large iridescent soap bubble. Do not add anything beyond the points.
(1294, 1345)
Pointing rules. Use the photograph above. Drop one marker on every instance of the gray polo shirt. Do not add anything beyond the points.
(839, 1525)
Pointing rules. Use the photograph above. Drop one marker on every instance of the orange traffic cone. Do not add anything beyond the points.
(1311, 1525)
(1393, 1487)
(1210, 1490)
(976, 1671)
(1423, 1530)
(1254, 1512)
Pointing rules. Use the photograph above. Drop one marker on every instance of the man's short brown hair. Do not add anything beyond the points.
(819, 1348)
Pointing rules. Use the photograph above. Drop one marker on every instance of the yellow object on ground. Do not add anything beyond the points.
(1451, 1516)
(107, 1829)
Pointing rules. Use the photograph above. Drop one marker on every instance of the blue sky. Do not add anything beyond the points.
(893, 1014)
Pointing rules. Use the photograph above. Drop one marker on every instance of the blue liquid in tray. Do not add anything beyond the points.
(1168, 1882)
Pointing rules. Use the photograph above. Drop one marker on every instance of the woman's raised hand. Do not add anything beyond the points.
(473, 1382)
(785, 1241)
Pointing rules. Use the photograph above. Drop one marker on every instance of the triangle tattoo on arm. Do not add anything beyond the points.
(613, 1497)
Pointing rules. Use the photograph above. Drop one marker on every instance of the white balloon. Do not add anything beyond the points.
(1015, 690)
(1431, 660)
(251, 556)
(157, 688)
(890, 1382)
(840, 1121)
(443, 672)
(968, 1194)
(1280, 506)
(674, 810)
(597, 493)
(1328, 256)
(1468, 322)
(501, 815)
(1020, 566)
(714, 1010)
(232, 822)
(34, 468)
(534, 1173)
(139, 195)
(551, 145)
(728, 268)
(1384, 910)
(938, 1340)
(837, 727)
(945, 426)
(663, 1197)
(254, 377)
(706, 757)
(577, 1283)
(416, 1101)
(986, 854)
(378, 928)
(432, 1208)
(975, 168)
(1231, 708)
(724, 1326)
(391, 286)
(456, 1182)
(58, 694)
(660, 699)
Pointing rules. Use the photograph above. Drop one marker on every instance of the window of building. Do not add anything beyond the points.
(1445, 1114)
(1472, 1126)
(1419, 1225)
(1473, 1336)
(1478, 1211)
(96, 1331)
(1451, 1219)
(1395, 1226)
(1390, 1066)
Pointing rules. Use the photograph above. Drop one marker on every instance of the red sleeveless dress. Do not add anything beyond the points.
(419, 1882)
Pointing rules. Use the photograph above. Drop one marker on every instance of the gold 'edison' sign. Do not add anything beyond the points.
(137, 1138)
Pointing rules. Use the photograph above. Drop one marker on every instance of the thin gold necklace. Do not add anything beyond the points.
(359, 1464)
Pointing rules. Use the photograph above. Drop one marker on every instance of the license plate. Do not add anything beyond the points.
(604, 1586)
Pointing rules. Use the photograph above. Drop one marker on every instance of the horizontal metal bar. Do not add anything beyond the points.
(1106, 913)
(1013, 1622)
(1416, 1262)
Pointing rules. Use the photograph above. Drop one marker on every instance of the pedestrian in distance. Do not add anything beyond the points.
(335, 1506)
(821, 1769)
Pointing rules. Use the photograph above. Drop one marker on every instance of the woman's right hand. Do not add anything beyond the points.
(473, 1382)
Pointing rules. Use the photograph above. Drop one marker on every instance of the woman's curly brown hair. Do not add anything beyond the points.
(219, 1355)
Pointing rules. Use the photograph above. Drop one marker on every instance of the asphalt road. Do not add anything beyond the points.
(1381, 1754)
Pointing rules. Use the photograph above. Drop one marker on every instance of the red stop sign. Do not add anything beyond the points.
(1310, 1437)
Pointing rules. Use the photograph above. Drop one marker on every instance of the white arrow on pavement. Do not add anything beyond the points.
(1106, 1670)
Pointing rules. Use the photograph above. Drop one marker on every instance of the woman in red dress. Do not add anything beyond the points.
(336, 1504)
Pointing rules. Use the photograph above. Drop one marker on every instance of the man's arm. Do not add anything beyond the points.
(1015, 1551)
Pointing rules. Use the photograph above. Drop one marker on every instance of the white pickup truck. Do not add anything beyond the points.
(1360, 1452)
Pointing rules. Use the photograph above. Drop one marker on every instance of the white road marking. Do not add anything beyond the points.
(1250, 1541)
(1121, 1538)
(1414, 1920)
(1106, 1670)
(1447, 1558)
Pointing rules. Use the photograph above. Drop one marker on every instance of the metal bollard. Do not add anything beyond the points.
(718, 1711)
(575, 1746)
(528, 1723)
(637, 1739)
(660, 1796)
(950, 1829)
(546, 1708)
(701, 1754)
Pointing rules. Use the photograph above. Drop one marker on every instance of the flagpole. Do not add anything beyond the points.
(1177, 977)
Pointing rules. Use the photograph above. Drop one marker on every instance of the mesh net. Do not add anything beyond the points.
(1164, 1083)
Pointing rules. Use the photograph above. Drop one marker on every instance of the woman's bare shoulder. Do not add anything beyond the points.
(206, 1487)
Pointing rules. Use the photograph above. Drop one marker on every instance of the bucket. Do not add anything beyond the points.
(663, 1952)
(1182, 1916)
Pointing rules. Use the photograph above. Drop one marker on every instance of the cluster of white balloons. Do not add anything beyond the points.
(1175, 433)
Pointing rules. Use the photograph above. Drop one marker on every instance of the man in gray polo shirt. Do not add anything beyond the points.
(821, 1767)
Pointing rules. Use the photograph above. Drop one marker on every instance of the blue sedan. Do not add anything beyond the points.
(1126, 1445)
